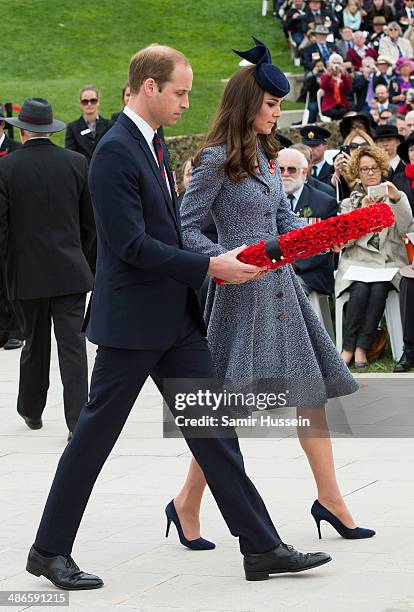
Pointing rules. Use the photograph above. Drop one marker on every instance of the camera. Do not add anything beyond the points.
(345, 149)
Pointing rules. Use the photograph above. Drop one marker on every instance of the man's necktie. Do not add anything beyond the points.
(325, 53)
(291, 199)
(159, 151)
(315, 171)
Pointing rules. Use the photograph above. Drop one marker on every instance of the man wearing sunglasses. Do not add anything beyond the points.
(314, 273)
(84, 134)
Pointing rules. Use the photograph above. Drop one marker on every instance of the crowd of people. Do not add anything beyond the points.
(359, 55)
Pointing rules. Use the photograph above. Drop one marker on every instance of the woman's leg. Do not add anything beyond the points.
(372, 316)
(316, 442)
(187, 503)
(357, 303)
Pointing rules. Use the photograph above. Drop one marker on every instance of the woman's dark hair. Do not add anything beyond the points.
(233, 126)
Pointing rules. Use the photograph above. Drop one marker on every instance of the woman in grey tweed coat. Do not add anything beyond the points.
(266, 328)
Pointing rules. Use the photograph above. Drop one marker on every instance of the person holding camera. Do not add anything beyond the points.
(312, 85)
(355, 139)
(337, 85)
(402, 82)
(367, 168)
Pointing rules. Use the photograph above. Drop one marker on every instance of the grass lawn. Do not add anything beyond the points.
(50, 49)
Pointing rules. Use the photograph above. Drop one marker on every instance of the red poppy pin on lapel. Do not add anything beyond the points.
(272, 166)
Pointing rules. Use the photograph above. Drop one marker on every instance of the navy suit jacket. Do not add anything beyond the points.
(317, 271)
(144, 276)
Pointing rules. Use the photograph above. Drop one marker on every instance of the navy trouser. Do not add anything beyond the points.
(117, 379)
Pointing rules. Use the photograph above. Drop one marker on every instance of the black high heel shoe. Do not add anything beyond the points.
(172, 517)
(320, 513)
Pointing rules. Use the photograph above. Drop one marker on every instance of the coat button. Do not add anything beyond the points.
(279, 295)
(281, 316)
(268, 214)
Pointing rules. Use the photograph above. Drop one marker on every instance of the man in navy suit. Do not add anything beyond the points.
(146, 320)
(314, 273)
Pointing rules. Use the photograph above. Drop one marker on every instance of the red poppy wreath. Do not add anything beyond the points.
(317, 238)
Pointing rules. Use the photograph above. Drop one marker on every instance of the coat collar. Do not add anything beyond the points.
(38, 142)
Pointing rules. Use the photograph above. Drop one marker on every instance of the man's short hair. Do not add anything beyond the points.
(154, 62)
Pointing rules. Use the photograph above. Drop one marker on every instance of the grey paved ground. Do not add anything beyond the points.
(122, 535)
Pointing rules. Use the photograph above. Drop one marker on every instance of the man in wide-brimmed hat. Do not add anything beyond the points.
(320, 49)
(387, 137)
(46, 229)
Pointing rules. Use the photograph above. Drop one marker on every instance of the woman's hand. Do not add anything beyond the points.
(368, 201)
(341, 162)
(393, 193)
(337, 248)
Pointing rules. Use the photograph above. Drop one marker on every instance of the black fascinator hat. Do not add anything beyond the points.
(268, 76)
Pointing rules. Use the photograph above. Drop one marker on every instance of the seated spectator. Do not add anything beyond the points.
(387, 117)
(387, 138)
(381, 100)
(294, 22)
(311, 85)
(356, 139)
(379, 8)
(404, 181)
(360, 50)
(406, 363)
(401, 82)
(368, 167)
(126, 92)
(406, 14)
(313, 182)
(409, 34)
(401, 126)
(314, 273)
(317, 13)
(383, 72)
(346, 43)
(409, 123)
(393, 46)
(363, 84)
(377, 31)
(337, 85)
(353, 121)
(320, 49)
(353, 16)
(408, 105)
(84, 134)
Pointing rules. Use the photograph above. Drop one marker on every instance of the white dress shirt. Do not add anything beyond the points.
(295, 197)
(147, 132)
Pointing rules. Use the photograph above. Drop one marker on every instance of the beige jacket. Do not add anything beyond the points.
(390, 51)
(391, 252)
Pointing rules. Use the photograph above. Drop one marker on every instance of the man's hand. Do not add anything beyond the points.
(228, 268)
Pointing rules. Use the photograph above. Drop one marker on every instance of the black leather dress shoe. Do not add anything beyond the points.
(32, 423)
(13, 343)
(283, 559)
(62, 571)
(406, 362)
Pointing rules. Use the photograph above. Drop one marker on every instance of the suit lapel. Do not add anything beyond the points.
(156, 171)
(303, 201)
